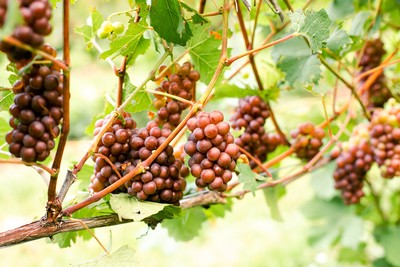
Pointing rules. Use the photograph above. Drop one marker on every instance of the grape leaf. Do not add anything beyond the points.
(204, 51)
(248, 177)
(128, 207)
(332, 221)
(225, 89)
(123, 257)
(294, 58)
(389, 238)
(65, 240)
(6, 100)
(167, 21)
(187, 225)
(358, 23)
(272, 195)
(141, 49)
(169, 212)
(96, 19)
(128, 43)
(86, 32)
(140, 102)
(322, 182)
(338, 40)
(197, 18)
(314, 26)
(339, 9)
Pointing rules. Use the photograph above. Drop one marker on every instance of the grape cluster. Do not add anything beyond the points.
(385, 139)
(115, 146)
(162, 182)
(212, 150)
(3, 12)
(125, 147)
(307, 140)
(378, 93)
(352, 165)
(251, 114)
(36, 113)
(182, 84)
(110, 29)
(36, 15)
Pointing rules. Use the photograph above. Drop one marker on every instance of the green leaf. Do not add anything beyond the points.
(86, 32)
(338, 40)
(167, 21)
(128, 207)
(272, 195)
(323, 183)
(187, 225)
(169, 212)
(225, 89)
(123, 257)
(358, 255)
(219, 210)
(64, 240)
(6, 100)
(204, 51)
(128, 43)
(389, 238)
(140, 102)
(141, 49)
(197, 18)
(97, 19)
(381, 262)
(302, 68)
(339, 9)
(314, 26)
(358, 23)
(333, 221)
(248, 177)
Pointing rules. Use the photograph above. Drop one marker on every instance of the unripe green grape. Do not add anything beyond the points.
(112, 36)
(107, 26)
(118, 27)
(102, 34)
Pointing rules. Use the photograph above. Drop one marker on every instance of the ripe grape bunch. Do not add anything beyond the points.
(36, 113)
(114, 148)
(3, 12)
(162, 182)
(251, 114)
(36, 15)
(307, 140)
(378, 93)
(385, 139)
(125, 147)
(212, 150)
(353, 163)
(181, 84)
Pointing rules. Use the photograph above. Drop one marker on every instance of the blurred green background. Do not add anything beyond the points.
(246, 236)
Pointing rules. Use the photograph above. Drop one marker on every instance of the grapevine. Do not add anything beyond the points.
(208, 103)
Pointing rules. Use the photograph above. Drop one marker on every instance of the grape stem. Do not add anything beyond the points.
(121, 77)
(18, 161)
(229, 61)
(376, 69)
(53, 204)
(348, 85)
(109, 163)
(170, 96)
(259, 164)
